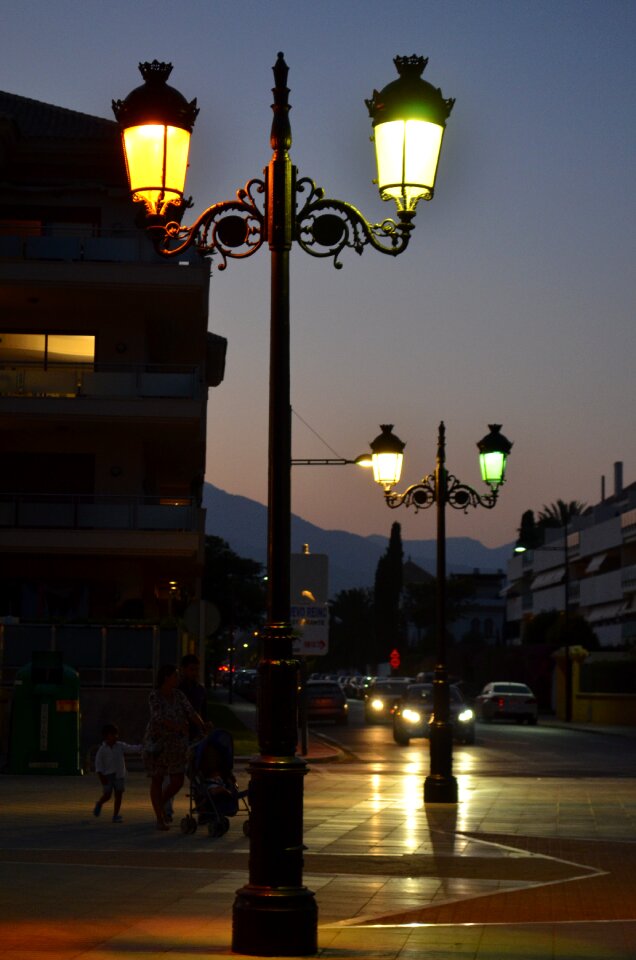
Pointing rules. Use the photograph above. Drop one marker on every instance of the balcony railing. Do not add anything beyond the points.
(45, 511)
(105, 656)
(95, 245)
(100, 381)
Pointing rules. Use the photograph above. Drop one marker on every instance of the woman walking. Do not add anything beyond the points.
(166, 739)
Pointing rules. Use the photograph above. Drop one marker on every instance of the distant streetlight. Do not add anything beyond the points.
(442, 489)
(274, 914)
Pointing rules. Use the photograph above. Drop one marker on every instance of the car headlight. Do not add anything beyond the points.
(411, 715)
(465, 716)
(377, 705)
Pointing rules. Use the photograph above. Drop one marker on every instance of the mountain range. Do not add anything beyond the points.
(352, 559)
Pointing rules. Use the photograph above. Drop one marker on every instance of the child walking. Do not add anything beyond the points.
(110, 766)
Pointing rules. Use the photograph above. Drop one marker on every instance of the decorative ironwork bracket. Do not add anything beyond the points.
(235, 229)
(422, 495)
(325, 227)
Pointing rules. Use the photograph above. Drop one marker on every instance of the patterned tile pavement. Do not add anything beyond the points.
(521, 868)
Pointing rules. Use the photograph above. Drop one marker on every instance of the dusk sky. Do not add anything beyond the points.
(514, 303)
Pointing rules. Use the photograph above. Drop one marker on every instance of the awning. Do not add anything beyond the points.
(548, 578)
(610, 611)
(595, 563)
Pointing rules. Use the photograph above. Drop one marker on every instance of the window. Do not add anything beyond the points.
(45, 349)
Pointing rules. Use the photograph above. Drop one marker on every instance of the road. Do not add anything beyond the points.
(501, 749)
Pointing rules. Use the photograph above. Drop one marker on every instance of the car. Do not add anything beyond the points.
(413, 716)
(504, 700)
(381, 698)
(244, 684)
(326, 701)
(363, 685)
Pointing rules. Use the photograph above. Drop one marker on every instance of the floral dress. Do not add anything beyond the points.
(165, 750)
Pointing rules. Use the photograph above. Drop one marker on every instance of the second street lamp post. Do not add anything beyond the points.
(274, 914)
(440, 489)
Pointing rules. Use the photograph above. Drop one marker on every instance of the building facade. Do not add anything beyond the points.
(595, 577)
(105, 364)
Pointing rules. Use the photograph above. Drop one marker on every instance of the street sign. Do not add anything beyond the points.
(311, 623)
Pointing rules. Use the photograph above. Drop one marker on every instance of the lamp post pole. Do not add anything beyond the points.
(566, 620)
(440, 785)
(440, 489)
(274, 913)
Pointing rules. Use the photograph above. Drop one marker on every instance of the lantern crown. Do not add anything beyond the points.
(155, 101)
(409, 96)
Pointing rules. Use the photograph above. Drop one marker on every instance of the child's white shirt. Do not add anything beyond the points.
(111, 759)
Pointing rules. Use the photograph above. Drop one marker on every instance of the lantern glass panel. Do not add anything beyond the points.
(407, 153)
(493, 467)
(157, 161)
(387, 468)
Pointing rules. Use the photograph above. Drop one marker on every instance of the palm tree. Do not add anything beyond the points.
(560, 514)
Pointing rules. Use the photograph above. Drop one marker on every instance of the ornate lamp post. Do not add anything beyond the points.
(274, 914)
(442, 489)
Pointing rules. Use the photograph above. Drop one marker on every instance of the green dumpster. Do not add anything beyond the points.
(45, 717)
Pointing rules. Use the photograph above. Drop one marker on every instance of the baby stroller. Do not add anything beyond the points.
(214, 794)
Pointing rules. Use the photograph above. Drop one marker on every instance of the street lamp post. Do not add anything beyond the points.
(522, 546)
(441, 489)
(274, 913)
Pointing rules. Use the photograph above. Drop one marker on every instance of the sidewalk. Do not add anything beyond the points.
(521, 868)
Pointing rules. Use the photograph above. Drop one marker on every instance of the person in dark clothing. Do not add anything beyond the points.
(193, 689)
(196, 694)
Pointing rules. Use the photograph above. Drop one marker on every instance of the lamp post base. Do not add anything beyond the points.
(438, 789)
(269, 922)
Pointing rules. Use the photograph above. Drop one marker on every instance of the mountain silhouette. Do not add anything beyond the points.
(352, 559)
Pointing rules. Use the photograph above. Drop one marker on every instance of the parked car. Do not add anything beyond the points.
(413, 715)
(363, 686)
(244, 683)
(502, 700)
(326, 701)
(381, 698)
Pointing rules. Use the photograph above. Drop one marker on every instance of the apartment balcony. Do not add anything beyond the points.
(77, 390)
(100, 525)
(628, 576)
(48, 266)
(603, 589)
(66, 245)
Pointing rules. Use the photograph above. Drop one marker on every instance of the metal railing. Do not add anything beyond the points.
(97, 512)
(89, 244)
(115, 655)
(99, 380)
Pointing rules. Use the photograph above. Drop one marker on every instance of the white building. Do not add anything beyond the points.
(597, 573)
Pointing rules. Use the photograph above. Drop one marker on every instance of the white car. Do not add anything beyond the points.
(504, 700)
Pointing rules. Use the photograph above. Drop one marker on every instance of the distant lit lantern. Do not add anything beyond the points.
(493, 453)
(156, 122)
(387, 455)
(409, 118)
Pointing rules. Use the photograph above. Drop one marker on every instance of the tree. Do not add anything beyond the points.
(235, 586)
(386, 597)
(560, 514)
(550, 627)
(420, 607)
(351, 630)
(531, 533)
